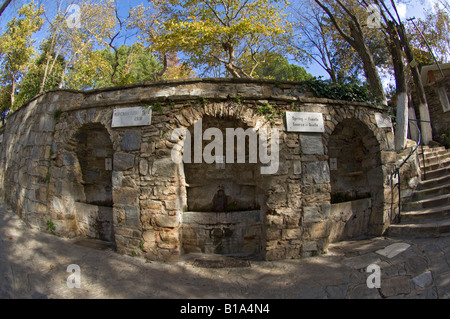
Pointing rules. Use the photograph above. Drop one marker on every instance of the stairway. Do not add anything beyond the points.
(428, 212)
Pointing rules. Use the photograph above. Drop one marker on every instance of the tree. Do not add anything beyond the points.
(345, 19)
(216, 33)
(5, 100)
(399, 45)
(78, 43)
(278, 67)
(127, 65)
(318, 44)
(16, 46)
(436, 28)
(31, 84)
(177, 69)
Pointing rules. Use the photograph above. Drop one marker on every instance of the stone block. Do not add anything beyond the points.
(117, 179)
(319, 171)
(274, 220)
(297, 167)
(131, 216)
(167, 221)
(413, 182)
(68, 159)
(149, 237)
(131, 141)
(123, 161)
(393, 249)
(170, 236)
(423, 280)
(311, 144)
(164, 167)
(311, 214)
(143, 167)
(151, 204)
(126, 196)
(289, 234)
(394, 286)
(310, 246)
(273, 233)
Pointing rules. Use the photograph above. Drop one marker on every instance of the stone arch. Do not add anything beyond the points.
(87, 162)
(239, 112)
(232, 225)
(231, 112)
(356, 178)
(237, 181)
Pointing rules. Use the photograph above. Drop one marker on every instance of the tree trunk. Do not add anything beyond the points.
(49, 54)
(395, 48)
(401, 130)
(356, 40)
(413, 132)
(370, 69)
(13, 89)
(425, 125)
(157, 75)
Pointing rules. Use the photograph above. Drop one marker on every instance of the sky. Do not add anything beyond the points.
(406, 9)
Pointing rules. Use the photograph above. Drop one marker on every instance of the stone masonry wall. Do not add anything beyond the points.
(43, 181)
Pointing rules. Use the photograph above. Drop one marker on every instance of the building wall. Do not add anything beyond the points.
(43, 180)
(438, 103)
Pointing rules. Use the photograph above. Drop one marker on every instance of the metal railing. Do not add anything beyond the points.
(396, 174)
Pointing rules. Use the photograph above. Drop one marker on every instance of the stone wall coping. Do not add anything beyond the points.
(108, 102)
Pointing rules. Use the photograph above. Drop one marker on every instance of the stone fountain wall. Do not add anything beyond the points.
(52, 174)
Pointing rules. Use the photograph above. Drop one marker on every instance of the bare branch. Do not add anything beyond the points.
(4, 5)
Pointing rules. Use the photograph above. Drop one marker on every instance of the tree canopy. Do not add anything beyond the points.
(213, 34)
(99, 43)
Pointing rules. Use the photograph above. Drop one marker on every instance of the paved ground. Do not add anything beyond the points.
(34, 265)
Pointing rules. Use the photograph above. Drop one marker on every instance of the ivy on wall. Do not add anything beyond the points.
(339, 91)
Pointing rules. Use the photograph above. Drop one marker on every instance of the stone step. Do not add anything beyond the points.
(431, 174)
(431, 202)
(432, 153)
(420, 215)
(428, 148)
(429, 160)
(433, 182)
(437, 165)
(431, 191)
(427, 227)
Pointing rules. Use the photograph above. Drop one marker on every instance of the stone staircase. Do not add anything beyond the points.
(428, 212)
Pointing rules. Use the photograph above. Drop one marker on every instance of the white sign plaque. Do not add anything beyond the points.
(304, 122)
(131, 116)
(383, 120)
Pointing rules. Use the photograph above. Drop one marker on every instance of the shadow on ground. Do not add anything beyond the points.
(33, 264)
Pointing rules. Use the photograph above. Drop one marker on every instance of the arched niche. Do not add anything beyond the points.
(90, 152)
(355, 171)
(224, 200)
